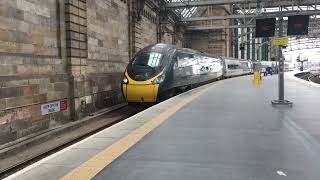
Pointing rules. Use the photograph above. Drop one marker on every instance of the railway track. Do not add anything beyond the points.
(108, 119)
(309, 76)
(314, 78)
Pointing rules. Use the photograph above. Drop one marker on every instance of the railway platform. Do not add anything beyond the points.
(226, 130)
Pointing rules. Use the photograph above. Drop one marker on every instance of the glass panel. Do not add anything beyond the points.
(245, 65)
(185, 59)
(185, 12)
(152, 59)
(210, 64)
(233, 66)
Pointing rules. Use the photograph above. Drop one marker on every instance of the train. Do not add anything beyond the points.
(161, 71)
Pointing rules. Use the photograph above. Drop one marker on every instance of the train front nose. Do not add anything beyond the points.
(139, 91)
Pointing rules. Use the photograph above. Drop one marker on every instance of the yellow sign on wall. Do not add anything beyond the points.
(281, 41)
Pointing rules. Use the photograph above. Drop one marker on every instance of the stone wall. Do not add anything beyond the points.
(149, 29)
(32, 67)
(167, 33)
(97, 82)
(211, 41)
(67, 51)
(179, 38)
(146, 29)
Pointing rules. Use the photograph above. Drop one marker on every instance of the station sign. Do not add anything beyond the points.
(298, 25)
(281, 41)
(265, 27)
(54, 107)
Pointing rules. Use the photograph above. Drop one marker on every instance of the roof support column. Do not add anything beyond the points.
(253, 56)
(248, 44)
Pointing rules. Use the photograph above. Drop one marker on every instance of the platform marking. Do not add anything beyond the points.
(281, 173)
(94, 165)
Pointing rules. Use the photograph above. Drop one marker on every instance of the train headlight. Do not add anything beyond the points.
(159, 79)
(125, 80)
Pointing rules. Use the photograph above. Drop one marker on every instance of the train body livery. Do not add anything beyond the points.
(160, 71)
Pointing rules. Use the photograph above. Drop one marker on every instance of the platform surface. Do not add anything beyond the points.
(229, 131)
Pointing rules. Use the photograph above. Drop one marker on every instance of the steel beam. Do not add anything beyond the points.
(264, 15)
(312, 30)
(193, 28)
(249, 3)
(282, 3)
(240, 16)
(206, 3)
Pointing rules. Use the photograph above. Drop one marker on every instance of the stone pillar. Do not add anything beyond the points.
(248, 44)
(77, 46)
(76, 30)
(236, 43)
(253, 46)
(131, 29)
(242, 47)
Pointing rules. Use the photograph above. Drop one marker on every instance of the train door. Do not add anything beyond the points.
(244, 65)
(224, 66)
(233, 68)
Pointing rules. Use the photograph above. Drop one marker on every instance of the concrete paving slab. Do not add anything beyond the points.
(230, 132)
(98, 143)
(113, 133)
(45, 172)
(73, 157)
(130, 125)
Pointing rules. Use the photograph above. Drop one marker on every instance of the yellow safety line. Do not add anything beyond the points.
(94, 165)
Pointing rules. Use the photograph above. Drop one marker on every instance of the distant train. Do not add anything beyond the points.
(160, 71)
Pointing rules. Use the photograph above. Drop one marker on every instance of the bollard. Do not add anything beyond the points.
(256, 78)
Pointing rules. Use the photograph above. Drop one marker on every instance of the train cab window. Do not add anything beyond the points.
(233, 66)
(146, 65)
(151, 59)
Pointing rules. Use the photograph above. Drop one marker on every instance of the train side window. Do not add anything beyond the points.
(205, 59)
(233, 66)
(244, 65)
(185, 59)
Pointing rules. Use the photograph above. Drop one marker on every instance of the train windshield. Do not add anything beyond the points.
(151, 60)
(146, 65)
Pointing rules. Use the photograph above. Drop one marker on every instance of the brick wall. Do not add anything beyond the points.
(211, 41)
(167, 35)
(146, 29)
(97, 83)
(32, 69)
(29, 27)
(74, 50)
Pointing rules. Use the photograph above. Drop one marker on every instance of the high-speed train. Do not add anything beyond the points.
(160, 71)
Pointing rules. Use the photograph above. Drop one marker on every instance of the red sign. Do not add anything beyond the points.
(63, 105)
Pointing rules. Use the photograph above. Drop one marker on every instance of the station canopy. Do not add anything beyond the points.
(187, 11)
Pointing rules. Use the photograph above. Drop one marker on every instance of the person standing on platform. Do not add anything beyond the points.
(269, 70)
